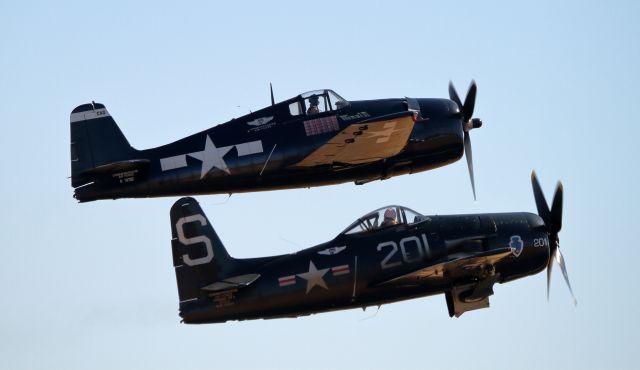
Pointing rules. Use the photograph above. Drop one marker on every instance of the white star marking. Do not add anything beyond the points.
(211, 157)
(314, 277)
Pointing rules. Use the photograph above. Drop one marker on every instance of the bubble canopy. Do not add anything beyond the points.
(326, 100)
(329, 92)
(382, 218)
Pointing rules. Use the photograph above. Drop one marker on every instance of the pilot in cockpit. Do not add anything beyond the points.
(389, 218)
(313, 105)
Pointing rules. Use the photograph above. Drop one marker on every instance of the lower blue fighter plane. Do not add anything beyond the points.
(388, 255)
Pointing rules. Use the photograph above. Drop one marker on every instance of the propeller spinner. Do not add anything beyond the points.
(468, 123)
(553, 221)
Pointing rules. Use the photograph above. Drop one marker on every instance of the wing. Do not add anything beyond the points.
(364, 142)
(460, 266)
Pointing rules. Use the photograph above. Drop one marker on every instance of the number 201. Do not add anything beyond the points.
(406, 244)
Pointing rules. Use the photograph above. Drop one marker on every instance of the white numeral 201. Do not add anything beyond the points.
(421, 248)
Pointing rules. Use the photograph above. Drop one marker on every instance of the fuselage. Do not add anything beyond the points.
(260, 151)
(358, 269)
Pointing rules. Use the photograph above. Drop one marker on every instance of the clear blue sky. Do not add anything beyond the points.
(91, 286)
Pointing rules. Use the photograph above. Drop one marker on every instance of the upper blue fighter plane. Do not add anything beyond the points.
(313, 139)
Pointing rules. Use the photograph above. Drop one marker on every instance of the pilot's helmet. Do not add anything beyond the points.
(390, 214)
(314, 100)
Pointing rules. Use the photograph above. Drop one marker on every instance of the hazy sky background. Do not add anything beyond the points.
(91, 286)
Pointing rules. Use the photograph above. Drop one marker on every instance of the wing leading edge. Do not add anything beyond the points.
(457, 267)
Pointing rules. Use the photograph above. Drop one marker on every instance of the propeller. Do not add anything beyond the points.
(553, 220)
(468, 123)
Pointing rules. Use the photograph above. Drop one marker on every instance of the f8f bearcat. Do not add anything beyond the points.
(313, 139)
(388, 255)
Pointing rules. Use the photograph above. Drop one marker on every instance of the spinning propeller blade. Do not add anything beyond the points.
(553, 222)
(556, 208)
(563, 267)
(468, 123)
(469, 155)
(470, 101)
(453, 94)
(541, 202)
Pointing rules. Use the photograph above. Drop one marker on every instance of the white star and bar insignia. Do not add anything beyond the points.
(211, 156)
(314, 277)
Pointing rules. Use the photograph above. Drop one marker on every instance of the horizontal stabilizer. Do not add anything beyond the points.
(233, 282)
(121, 166)
(458, 267)
(364, 142)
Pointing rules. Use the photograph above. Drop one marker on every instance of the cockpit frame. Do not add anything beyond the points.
(383, 217)
(328, 101)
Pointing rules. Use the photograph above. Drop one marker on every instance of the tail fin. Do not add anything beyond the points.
(96, 140)
(199, 257)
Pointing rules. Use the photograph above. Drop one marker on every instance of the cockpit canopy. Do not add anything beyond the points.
(382, 218)
(317, 101)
